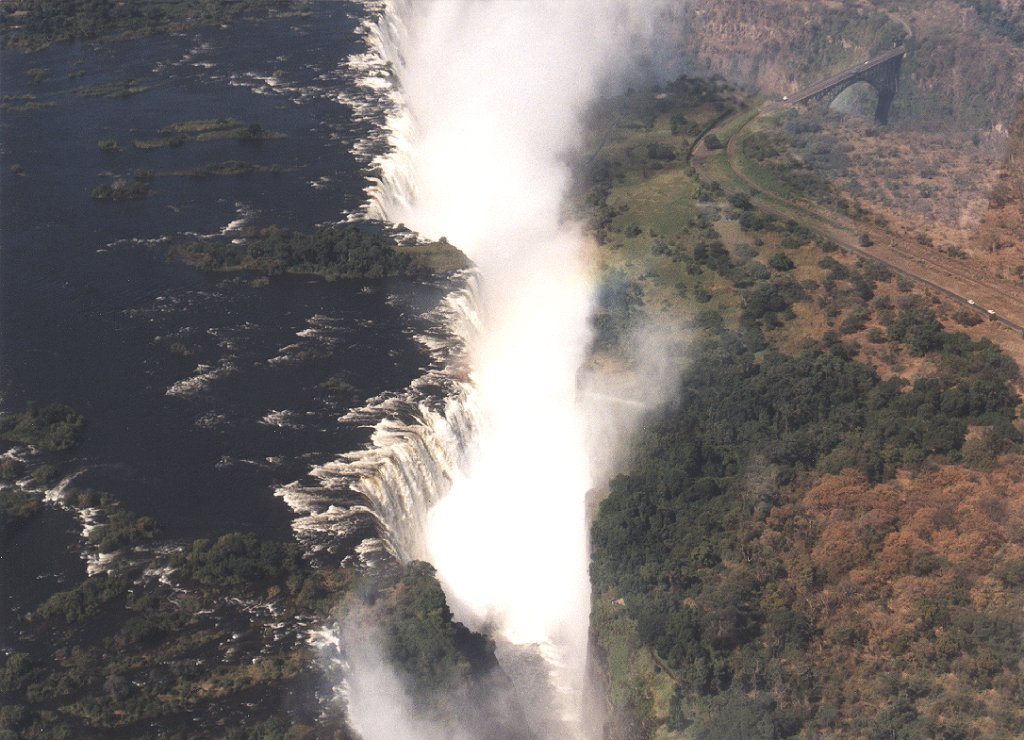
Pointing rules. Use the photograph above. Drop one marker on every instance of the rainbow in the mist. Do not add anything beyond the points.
(491, 98)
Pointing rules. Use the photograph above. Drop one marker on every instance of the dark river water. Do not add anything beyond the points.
(90, 306)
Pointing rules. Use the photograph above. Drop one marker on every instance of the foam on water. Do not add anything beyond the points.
(482, 104)
(379, 496)
(200, 379)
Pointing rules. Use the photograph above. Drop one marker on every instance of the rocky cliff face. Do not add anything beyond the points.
(951, 163)
(1003, 224)
(778, 45)
(962, 72)
(965, 70)
(1005, 17)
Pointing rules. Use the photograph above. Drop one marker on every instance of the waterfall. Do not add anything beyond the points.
(391, 187)
(483, 465)
(373, 502)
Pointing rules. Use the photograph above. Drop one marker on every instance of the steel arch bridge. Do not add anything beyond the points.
(881, 72)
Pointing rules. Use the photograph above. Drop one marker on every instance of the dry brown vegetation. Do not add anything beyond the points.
(965, 69)
(756, 43)
(903, 582)
(948, 171)
(744, 600)
(952, 196)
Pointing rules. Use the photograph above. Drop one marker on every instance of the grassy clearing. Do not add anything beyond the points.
(762, 176)
(663, 202)
(646, 194)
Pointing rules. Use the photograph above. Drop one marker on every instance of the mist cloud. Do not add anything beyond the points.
(493, 98)
(381, 705)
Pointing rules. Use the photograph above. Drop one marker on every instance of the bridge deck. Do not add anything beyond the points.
(823, 85)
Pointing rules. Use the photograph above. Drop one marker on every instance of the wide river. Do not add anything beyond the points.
(90, 306)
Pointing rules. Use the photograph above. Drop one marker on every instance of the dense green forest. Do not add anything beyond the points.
(681, 537)
(341, 251)
(123, 649)
(222, 599)
(423, 641)
(820, 534)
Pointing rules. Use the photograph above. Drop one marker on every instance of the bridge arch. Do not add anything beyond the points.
(858, 96)
(881, 72)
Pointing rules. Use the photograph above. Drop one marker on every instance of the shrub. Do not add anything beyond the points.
(741, 201)
(84, 600)
(240, 559)
(781, 262)
(966, 317)
(55, 427)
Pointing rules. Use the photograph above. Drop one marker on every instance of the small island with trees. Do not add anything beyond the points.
(55, 427)
(346, 250)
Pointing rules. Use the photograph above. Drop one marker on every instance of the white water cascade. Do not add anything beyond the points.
(418, 445)
(483, 466)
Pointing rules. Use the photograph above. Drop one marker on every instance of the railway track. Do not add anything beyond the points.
(993, 298)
